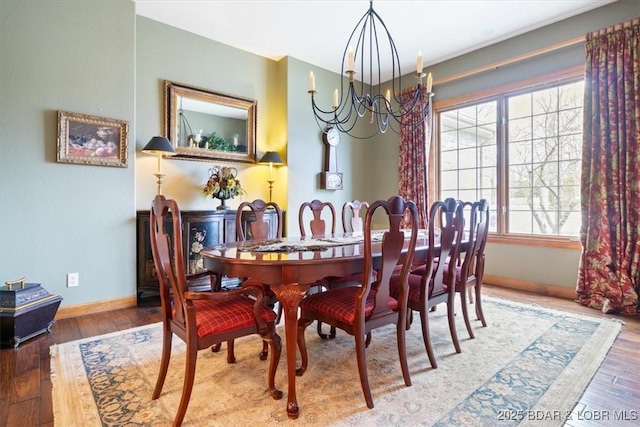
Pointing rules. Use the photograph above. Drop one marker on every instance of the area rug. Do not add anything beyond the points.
(529, 366)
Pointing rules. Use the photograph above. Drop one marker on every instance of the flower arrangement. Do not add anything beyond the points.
(223, 183)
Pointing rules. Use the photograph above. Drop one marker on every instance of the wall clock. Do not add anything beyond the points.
(331, 179)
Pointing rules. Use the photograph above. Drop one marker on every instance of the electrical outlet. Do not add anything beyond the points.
(72, 280)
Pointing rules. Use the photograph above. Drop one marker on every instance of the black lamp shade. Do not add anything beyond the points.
(159, 145)
(271, 157)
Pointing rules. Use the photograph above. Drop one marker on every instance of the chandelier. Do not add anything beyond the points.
(364, 98)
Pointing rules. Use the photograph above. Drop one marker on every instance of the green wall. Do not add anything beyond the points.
(167, 53)
(59, 218)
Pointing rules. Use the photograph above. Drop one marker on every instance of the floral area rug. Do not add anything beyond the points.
(529, 366)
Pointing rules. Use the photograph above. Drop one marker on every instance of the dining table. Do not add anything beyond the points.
(288, 266)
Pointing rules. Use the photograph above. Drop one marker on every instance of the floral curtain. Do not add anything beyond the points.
(609, 272)
(412, 169)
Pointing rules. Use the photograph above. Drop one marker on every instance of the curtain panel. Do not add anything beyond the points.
(413, 158)
(609, 271)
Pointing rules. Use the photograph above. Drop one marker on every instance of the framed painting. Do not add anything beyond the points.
(92, 140)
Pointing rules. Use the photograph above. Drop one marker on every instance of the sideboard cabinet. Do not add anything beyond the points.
(199, 229)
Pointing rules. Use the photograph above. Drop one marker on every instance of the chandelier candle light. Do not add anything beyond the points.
(352, 104)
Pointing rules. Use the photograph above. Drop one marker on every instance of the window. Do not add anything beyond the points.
(521, 150)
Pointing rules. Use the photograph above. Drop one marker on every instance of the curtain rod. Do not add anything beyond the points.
(508, 61)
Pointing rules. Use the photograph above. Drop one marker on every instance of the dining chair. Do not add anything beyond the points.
(318, 223)
(352, 222)
(258, 230)
(201, 319)
(428, 289)
(320, 212)
(358, 310)
(468, 268)
(352, 214)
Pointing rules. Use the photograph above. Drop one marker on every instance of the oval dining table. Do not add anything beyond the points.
(290, 273)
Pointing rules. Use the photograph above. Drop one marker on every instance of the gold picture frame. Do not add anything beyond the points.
(92, 140)
(204, 125)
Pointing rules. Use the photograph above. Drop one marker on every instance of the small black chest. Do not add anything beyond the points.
(26, 310)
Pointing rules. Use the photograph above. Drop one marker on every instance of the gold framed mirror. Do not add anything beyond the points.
(205, 125)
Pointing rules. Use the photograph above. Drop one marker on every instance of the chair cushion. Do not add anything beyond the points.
(447, 279)
(419, 270)
(414, 287)
(214, 317)
(339, 303)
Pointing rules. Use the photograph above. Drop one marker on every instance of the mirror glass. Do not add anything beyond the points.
(205, 125)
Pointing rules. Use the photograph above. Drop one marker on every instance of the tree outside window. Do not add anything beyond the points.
(539, 147)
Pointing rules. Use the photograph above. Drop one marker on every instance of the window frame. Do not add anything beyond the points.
(496, 93)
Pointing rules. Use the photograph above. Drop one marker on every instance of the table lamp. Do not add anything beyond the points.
(159, 145)
(272, 158)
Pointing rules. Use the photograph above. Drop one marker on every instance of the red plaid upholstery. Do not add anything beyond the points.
(414, 287)
(339, 303)
(447, 279)
(215, 317)
(422, 267)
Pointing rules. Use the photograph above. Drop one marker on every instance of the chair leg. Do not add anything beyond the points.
(231, 357)
(402, 349)
(273, 340)
(362, 369)
(451, 314)
(164, 362)
(187, 387)
(465, 311)
(479, 311)
(265, 350)
(279, 315)
(330, 335)
(426, 337)
(409, 318)
(302, 346)
(470, 292)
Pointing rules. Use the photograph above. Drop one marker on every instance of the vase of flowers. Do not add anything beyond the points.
(223, 184)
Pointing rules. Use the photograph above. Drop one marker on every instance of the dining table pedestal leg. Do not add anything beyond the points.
(290, 297)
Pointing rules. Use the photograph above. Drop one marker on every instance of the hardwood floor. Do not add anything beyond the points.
(25, 381)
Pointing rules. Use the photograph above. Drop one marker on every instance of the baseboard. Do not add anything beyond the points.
(545, 289)
(95, 307)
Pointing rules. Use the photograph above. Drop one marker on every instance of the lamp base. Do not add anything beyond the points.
(159, 176)
(270, 181)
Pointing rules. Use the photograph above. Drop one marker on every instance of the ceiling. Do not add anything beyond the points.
(316, 31)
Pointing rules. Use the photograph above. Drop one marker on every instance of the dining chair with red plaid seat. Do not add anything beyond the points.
(201, 319)
(318, 213)
(258, 229)
(468, 270)
(428, 289)
(358, 310)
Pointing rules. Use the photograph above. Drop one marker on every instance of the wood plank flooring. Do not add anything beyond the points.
(25, 381)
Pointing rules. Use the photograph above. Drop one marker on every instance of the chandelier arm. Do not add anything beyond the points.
(357, 99)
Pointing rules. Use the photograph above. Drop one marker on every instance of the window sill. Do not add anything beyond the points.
(546, 242)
